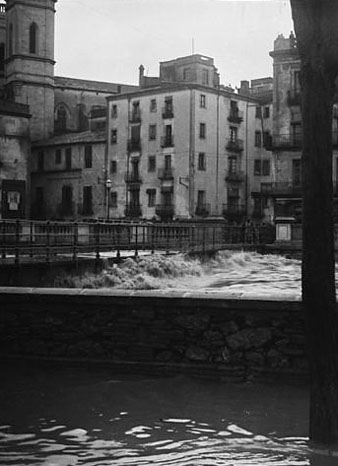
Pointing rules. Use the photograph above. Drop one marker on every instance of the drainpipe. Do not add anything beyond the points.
(192, 153)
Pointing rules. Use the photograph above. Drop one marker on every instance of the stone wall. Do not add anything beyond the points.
(210, 336)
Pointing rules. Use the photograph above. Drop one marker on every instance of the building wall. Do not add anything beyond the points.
(54, 176)
(14, 160)
(190, 176)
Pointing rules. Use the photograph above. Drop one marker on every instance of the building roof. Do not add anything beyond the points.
(72, 138)
(97, 86)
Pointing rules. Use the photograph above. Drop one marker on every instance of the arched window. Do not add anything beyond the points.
(10, 40)
(61, 119)
(33, 38)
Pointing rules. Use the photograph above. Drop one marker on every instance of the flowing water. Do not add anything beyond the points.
(244, 274)
(66, 417)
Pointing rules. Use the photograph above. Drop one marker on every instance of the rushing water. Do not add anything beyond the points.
(241, 273)
(66, 417)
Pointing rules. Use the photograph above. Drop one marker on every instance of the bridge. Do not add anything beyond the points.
(48, 241)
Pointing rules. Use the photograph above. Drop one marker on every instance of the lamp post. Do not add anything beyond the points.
(108, 188)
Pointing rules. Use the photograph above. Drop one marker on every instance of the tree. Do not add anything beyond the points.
(316, 28)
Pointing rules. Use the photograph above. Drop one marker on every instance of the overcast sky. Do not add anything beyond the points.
(107, 40)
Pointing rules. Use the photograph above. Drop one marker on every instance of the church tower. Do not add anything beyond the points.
(29, 76)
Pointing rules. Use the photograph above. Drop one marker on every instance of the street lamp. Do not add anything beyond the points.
(108, 188)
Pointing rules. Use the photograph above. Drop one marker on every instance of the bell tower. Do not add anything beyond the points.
(29, 77)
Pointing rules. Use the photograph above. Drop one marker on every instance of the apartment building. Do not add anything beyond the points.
(180, 146)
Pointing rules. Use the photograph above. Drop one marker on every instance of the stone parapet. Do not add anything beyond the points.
(204, 334)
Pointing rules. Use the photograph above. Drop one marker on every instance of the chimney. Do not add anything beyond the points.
(141, 75)
(244, 89)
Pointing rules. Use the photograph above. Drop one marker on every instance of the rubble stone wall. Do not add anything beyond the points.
(231, 339)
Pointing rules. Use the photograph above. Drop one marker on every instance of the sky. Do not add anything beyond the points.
(107, 40)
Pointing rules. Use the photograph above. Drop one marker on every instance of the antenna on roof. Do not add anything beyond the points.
(193, 46)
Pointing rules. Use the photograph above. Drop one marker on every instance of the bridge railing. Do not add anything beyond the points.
(20, 239)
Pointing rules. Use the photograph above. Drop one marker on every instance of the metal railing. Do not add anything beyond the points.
(47, 241)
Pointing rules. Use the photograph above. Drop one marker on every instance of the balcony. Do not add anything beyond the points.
(132, 177)
(235, 116)
(293, 97)
(234, 212)
(165, 174)
(235, 145)
(135, 117)
(202, 209)
(284, 188)
(134, 145)
(167, 141)
(167, 112)
(165, 211)
(288, 141)
(133, 210)
(235, 177)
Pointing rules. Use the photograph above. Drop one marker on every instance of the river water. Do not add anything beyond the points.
(57, 416)
(60, 416)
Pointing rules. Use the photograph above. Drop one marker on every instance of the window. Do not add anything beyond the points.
(201, 198)
(113, 166)
(41, 161)
(257, 167)
(151, 163)
(11, 40)
(153, 105)
(68, 158)
(232, 165)
(266, 167)
(67, 199)
(203, 130)
(201, 161)
(258, 112)
(39, 196)
(186, 74)
(87, 200)
(202, 101)
(88, 156)
(205, 77)
(258, 139)
(233, 133)
(58, 156)
(136, 112)
(296, 172)
(114, 111)
(151, 197)
(167, 162)
(296, 81)
(2, 57)
(61, 118)
(113, 199)
(33, 33)
(113, 136)
(267, 139)
(266, 112)
(168, 102)
(152, 132)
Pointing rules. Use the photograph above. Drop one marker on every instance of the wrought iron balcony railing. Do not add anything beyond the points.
(235, 116)
(167, 141)
(133, 210)
(132, 177)
(202, 209)
(235, 145)
(134, 144)
(165, 173)
(167, 112)
(165, 210)
(237, 176)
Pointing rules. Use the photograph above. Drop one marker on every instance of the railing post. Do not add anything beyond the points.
(167, 238)
(136, 240)
(118, 246)
(97, 240)
(17, 241)
(31, 239)
(75, 240)
(48, 242)
(152, 239)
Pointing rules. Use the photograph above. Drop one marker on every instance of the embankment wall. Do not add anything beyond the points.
(161, 332)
